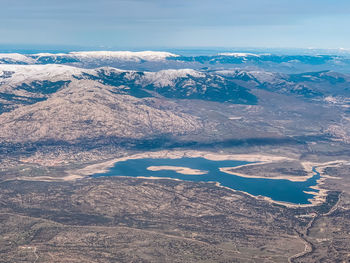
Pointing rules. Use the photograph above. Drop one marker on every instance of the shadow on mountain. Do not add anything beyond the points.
(158, 143)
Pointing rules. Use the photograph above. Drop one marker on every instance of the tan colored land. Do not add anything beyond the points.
(98, 220)
(177, 169)
(235, 118)
(228, 170)
(307, 166)
(71, 177)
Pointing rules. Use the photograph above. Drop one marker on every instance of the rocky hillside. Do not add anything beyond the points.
(58, 105)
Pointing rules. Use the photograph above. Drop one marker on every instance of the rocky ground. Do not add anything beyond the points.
(57, 118)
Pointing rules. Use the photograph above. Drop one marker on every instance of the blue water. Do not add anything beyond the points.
(276, 189)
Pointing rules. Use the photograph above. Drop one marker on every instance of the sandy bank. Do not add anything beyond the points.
(177, 169)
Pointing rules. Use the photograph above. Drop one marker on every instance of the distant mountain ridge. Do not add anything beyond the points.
(155, 61)
(29, 84)
(84, 56)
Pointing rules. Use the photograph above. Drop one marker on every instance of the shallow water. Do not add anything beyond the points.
(276, 189)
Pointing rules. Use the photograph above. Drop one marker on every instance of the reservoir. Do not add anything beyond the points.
(204, 170)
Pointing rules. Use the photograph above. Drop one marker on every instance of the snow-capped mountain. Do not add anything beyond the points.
(155, 61)
(85, 57)
(28, 84)
(15, 58)
(61, 101)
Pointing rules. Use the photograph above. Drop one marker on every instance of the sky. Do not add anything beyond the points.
(152, 24)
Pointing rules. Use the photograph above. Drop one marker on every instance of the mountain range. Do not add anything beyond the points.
(51, 100)
(155, 61)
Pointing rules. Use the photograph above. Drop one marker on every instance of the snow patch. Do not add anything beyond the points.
(51, 72)
(165, 78)
(15, 57)
(239, 54)
(124, 55)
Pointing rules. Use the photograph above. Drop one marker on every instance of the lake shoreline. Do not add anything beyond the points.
(318, 197)
(105, 166)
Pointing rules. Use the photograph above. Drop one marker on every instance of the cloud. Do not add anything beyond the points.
(109, 20)
(201, 12)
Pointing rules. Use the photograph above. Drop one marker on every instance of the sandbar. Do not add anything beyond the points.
(177, 169)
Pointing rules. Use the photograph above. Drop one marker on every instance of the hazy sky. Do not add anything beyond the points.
(177, 23)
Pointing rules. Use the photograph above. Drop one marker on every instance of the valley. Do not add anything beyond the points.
(173, 127)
